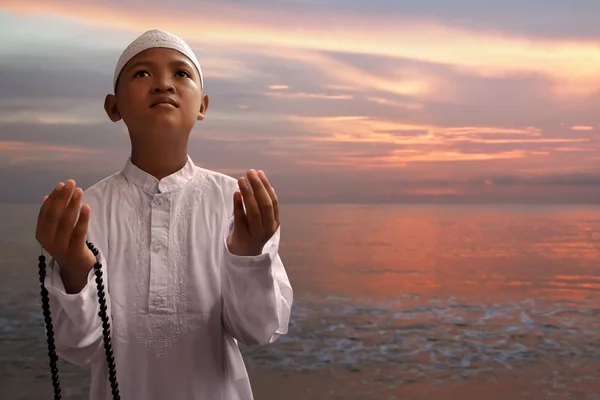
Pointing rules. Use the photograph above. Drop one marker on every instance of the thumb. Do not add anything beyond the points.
(239, 215)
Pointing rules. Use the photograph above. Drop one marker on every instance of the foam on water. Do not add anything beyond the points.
(408, 336)
(440, 338)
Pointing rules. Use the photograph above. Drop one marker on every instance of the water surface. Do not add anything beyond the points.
(393, 297)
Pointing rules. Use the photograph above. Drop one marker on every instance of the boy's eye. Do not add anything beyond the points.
(183, 74)
(141, 73)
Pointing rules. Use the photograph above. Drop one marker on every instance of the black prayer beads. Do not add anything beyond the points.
(49, 329)
(110, 359)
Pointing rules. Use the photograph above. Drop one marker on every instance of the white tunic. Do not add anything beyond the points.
(178, 299)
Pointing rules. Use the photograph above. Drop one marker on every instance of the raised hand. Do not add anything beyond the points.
(255, 226)
(62, 229)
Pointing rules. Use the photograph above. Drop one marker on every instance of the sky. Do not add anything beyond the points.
(370, 101)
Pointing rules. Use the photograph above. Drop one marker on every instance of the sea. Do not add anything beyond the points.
(398, 296)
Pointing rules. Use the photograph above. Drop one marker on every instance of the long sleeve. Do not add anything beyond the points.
(257, 294)
(77, 325)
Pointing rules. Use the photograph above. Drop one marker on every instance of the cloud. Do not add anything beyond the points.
(103, 136)
(41, 78)
(577, 179)
(21, 153)
(571, 64)
(582, 128)
(549, 18)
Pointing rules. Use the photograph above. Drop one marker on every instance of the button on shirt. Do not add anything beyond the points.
(179, 301)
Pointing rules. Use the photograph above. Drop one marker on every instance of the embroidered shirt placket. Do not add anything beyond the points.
(159, 250)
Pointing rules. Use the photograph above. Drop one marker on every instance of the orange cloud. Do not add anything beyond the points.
(484, 130)
(302, 95)
(505, 141)
(437, 156)
(400, 144)
(16, 153)
(397, 104)
(226, 68)
(433, 191)
(366, 129)
(574, 149)
(409, 82)
(582, 128)
(74, 116)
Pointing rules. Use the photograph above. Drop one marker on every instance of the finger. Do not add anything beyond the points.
(41, 228)
(262, 198)
(57, 207)
(37, 227)
(69, 217)
(252, 209)
(79, 233)
(272, 194)
(239, 216)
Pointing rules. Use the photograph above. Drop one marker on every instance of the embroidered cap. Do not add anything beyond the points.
(152, 39)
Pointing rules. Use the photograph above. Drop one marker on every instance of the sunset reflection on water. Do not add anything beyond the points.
(484, 252)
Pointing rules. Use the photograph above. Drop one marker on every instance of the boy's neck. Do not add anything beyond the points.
(159, 161)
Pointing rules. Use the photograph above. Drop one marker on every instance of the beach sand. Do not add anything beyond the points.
(509, 385)
(337, 384)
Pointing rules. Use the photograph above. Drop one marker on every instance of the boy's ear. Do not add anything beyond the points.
(110, 106)
(203, 107)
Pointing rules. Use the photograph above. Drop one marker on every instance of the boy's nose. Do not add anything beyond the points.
(163, 85)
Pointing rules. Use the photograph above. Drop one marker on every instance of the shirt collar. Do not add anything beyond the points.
(151, 185)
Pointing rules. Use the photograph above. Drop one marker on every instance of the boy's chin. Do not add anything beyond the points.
(161, 128)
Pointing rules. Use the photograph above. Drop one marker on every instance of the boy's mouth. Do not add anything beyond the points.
(164, 101)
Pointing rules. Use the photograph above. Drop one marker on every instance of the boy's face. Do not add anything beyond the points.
(158, 93)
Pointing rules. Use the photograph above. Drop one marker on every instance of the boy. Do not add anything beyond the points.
(190, 263)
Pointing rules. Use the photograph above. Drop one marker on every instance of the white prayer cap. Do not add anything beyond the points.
(152, 39)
